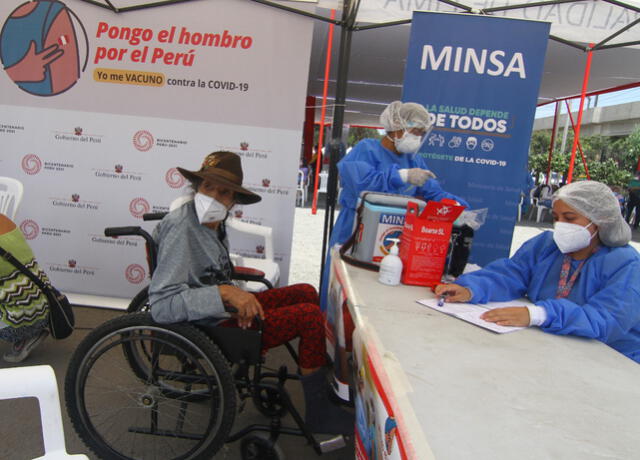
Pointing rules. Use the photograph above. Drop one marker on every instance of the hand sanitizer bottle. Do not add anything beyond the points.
(391, 266)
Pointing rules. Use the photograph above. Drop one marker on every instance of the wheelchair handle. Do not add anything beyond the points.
(154, 215)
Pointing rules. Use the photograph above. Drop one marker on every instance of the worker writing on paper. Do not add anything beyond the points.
(583, 277)
(390, 165)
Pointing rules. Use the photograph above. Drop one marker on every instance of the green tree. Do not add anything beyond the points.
(357, 134)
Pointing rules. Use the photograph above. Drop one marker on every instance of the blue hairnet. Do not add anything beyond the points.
(595, 201)
(404, 115)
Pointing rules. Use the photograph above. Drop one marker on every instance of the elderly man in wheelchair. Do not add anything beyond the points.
(176, 385)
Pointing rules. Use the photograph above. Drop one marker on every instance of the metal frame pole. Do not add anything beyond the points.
(576, 136)
(348, 20)
(323, 111)
(553, 138)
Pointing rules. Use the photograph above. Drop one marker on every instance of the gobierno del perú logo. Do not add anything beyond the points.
(138, 207)
(31, 164)
(44, 47)
(143, 140)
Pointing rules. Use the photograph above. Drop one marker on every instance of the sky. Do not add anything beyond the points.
(619, 97)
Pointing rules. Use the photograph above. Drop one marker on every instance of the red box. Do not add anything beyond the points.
(425, 241)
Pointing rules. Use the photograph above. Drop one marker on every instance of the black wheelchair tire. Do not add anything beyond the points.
(260, 447)
(81, 363)
(140, 302)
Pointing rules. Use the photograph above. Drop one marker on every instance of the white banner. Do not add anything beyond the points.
(98, 109)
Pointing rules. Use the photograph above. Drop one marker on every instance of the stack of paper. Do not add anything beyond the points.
(471, 312)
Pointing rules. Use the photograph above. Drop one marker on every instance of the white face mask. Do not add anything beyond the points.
(209, 209)
(571, 237)
(408, 143)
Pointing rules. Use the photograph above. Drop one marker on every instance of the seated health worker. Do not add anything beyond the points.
(390, 165)
(24, 308)
(192, 282)
(583, 277)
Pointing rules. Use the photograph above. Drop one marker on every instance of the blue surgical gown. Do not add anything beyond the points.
(603, 304)
(370, 166)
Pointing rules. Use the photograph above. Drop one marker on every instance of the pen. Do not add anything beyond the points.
(441, 299)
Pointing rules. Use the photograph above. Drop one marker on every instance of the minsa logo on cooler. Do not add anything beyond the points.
(118, 168)
(75, 197)
(138, 207)
(238, 213)
(143, 140)
(266, 182)
(174, 178)
(244, 146)
(29, 229)
(31, 164)
(135, 274)
(260, 249)
(77, 131)
(72, 263)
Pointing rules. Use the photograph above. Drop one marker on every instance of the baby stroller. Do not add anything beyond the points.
(138, 389)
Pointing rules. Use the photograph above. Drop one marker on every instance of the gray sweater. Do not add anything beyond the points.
(192, 262)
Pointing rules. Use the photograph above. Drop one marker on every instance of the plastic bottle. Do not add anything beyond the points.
(391, 266)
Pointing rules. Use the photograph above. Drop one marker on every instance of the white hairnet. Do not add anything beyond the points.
(403, 115)
(595, 201)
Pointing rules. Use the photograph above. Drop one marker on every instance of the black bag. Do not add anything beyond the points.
(61, 319)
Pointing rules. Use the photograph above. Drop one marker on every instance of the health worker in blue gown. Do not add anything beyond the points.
(390, 165)
(583, 277)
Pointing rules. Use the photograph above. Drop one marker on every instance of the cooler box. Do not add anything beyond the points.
(382, 218)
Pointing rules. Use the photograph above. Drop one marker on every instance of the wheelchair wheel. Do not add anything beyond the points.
(140, 302)
(269, 402)
(260, 447)
(120, 414)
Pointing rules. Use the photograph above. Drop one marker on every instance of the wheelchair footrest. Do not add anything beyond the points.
(331, 444)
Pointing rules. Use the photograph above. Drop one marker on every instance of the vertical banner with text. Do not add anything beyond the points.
(98, 109)
(479, 78)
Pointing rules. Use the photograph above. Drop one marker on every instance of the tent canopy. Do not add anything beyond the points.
(378, 55)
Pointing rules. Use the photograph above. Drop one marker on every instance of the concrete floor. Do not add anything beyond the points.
(20, 421)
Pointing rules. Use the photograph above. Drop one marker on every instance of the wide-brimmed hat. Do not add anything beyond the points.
(226, 169)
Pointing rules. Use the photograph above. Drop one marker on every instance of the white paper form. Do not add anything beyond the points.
(471, 312)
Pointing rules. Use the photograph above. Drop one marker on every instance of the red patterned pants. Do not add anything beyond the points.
(292, 312)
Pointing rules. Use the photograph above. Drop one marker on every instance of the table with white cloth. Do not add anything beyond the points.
(439, 387)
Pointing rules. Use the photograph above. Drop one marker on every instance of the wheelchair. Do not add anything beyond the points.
(136, 389)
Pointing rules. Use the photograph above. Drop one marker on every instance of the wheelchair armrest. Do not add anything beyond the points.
(247, 274)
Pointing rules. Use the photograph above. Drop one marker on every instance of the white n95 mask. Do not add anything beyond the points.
(209, 209)
(408, 143)
(571, 237)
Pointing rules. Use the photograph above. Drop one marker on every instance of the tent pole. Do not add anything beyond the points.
(576, 136)
(319, 159)
(553, 138)
(584, 160)
(349, 13)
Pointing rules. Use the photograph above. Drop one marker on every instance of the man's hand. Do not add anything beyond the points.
(509, 316)
(453, 292)
(246, 304)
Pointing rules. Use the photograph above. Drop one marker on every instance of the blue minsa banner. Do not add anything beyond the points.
(479, 78)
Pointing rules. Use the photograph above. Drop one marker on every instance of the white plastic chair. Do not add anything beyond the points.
(268, 265)
(39, 382)
(301, 190)
(323, 179)
(11, 191)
